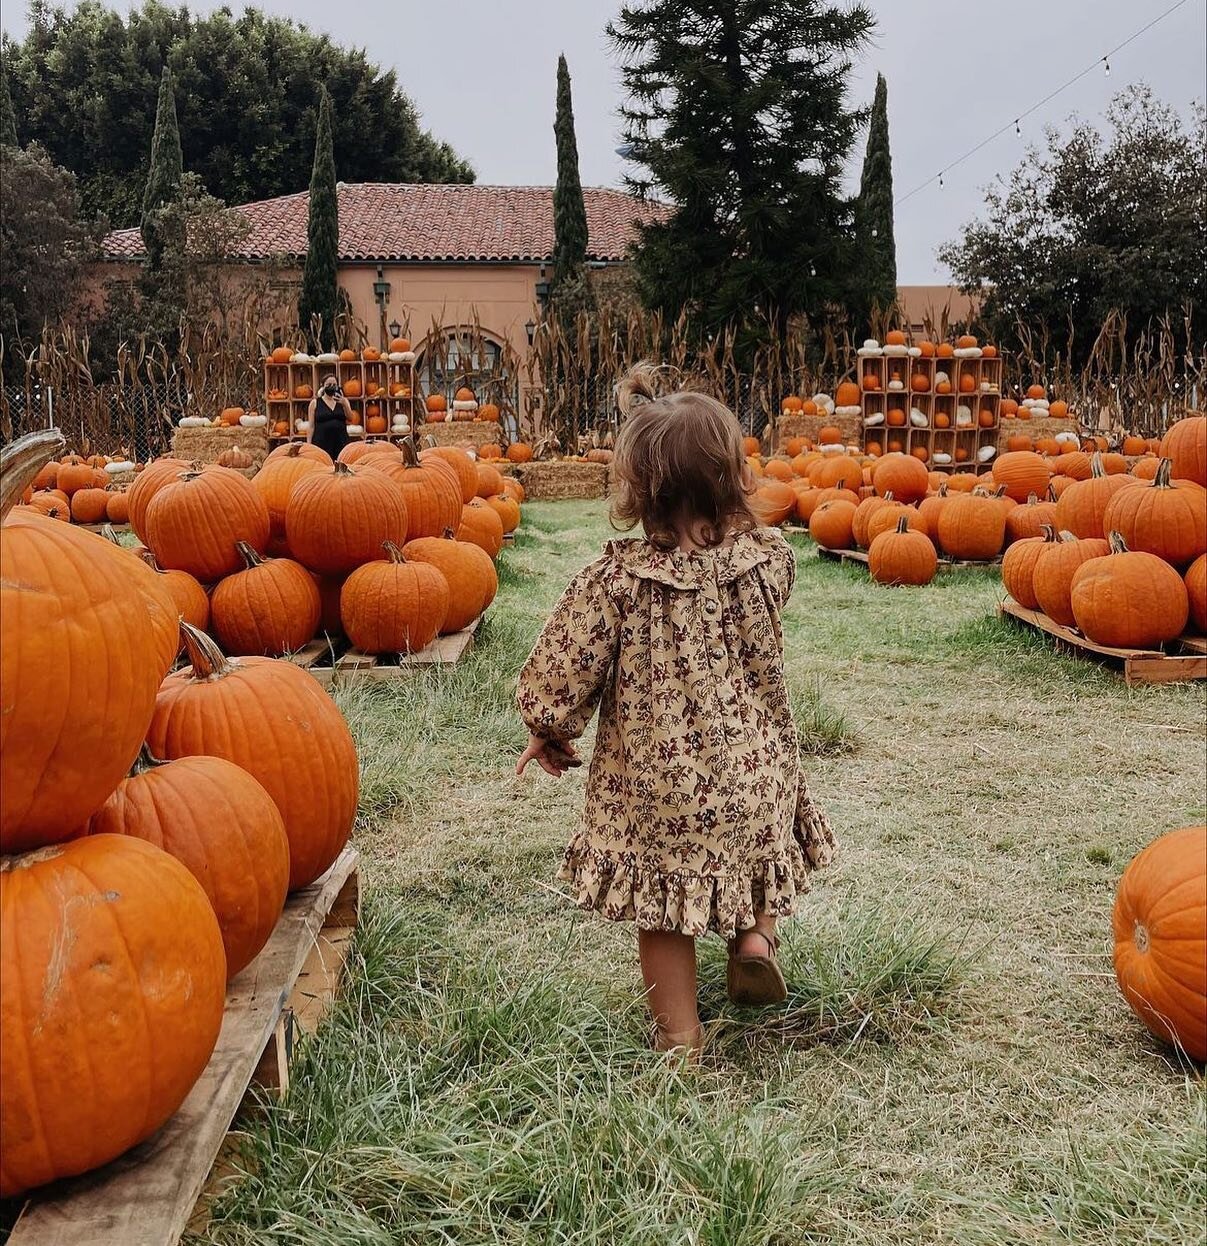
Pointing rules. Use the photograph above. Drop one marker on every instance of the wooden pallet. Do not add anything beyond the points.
(1188, 659)
(945, 564)
(99, 528)
(329, 661)
(147, 1197)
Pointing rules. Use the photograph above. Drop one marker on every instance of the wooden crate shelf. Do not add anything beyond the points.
(148, 1196)
(287, 377)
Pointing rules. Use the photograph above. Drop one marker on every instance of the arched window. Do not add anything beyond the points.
(465, 355)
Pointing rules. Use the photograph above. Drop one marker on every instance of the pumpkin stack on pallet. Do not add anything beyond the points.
(79, 490)
(387, 546)
(1121, 558)
(150, 835)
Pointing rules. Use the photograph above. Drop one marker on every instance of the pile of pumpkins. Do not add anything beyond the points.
(228, 417)
(151, 826)
(80, 490)
(465, 407)
(1119, 556)
(387, 545)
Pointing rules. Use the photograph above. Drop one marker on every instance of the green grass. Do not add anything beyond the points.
(953, 1065)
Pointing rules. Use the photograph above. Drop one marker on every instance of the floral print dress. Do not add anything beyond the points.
(697, 817)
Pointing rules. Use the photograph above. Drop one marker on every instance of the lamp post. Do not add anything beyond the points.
(530, 329)
(395, 329)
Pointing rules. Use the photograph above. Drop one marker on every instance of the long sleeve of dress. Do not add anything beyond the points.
(564, 677)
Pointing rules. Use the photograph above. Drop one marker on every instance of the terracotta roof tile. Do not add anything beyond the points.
(403, 222)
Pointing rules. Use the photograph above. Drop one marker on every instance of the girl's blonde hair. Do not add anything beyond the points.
(678, 460)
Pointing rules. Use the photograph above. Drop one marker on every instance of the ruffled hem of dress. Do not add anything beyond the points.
(625, 889)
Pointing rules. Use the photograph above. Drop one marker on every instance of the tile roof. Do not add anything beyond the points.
(400, 221)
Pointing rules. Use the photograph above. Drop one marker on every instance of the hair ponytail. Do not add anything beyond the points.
(640, 384)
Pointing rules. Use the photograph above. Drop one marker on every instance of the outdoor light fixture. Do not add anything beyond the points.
(530, 329)
(542, 291)
(395, 329)
(381, 287)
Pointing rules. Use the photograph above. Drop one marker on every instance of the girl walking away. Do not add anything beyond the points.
(697, 817)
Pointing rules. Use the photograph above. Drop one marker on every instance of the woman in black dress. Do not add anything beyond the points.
(329, 415)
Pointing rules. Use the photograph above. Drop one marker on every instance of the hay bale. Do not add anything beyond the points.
(1046, 427)
(456, 432)
(809, 426)
(204, 445)
(557, 480)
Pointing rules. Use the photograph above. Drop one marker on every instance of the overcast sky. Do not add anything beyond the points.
(482, 74)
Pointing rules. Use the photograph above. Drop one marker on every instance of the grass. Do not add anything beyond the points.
(954, 1063)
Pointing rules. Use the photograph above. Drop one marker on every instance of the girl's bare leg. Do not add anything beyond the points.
(668, 965)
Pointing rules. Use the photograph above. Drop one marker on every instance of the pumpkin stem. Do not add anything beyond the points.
(410, 454)
(903, 524)
(341, 469)
(449, 534)
(1066, 535)
(1117, 543)
(295, 449)
(393, 553)
(21, 461)
(146, 760)
(206, 659)
(149, 558)
(1096, 468)
(250, 557)
(1161, 479)
(1048, 532)
(1033, 498)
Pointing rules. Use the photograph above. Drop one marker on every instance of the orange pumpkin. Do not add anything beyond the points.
(303, 391)
(1167, 518)
(1185, 444)
(468, 570)
(1127, 599)
(281, 355)
(337, 519)
(1054, 571)
(847, 394)
(352, 388)
(830, 524)
(481, 526)
(394, 606)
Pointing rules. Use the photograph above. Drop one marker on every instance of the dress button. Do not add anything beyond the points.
(710, 606)
(717, 653)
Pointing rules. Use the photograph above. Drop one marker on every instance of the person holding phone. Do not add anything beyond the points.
(329, 415)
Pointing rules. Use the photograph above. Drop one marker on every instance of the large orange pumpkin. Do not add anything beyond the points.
(463, 466)
(270, 608)
(1081, 507)
(1023, 473)
(1128, 600)
(1185, 443)
(1167, 517)
(273, 719)
(847, 395)
(904, 477)
(830, 524)
(215, 819)
(468, 570)
(1018, 566)
(481, 526)
(394, 606)
(274, 481)
(112, 984)
(431, 490)
(195, 524)
(1055, 566)
(1196, 591)
(81, 654)
(336, 520)
(900, 555)
(155, 476)
(1160, 928)
(190, 600)
(972, 527)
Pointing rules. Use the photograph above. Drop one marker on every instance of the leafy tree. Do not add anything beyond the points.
(320, 288)
(44, 242)
(8, 119)
(167, 168)
(738, 112)
(85, 81)
(876, 250)
(571, 289)
(1094, 223)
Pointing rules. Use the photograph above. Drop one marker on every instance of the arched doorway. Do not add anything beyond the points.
(471, 356)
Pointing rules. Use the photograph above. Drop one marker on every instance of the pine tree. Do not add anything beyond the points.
(738, 112)
(320, 289)
(8, 118)
(875, 247)
(571, 289)
(164, 174)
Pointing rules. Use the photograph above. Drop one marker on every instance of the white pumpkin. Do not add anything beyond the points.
(847, 410)
(327, 357)
(942, 459)
(914, 352)
(873, 420)
(896, 352)
(118, 466)
(301, 426)
(466, 404)
(836, 448)
(941, 376)
(963, 416)
(967, 352)
(253, 421)
(918, 418)
(896, 385)
(356, 430)
(985, 453)
(193, 421)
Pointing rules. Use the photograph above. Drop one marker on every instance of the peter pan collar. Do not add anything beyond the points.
(699, 568)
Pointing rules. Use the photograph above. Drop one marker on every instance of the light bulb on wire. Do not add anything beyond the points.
(1107, 66)
(1018, 129)
(940, 179)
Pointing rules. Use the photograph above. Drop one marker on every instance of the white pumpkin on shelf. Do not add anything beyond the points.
(847, 410)
(327, 357)
(963, 416)
(918, 418)
(942, 459)
(985, 453)
(874, 420)
(356, 430)
(118, 466)
(301, 426)
(302, 357)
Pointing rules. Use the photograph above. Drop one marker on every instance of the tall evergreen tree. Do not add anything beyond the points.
(876, 250)
(571, 291)
(163, 178)
(320, 290)
(8, 119)
(738, 112)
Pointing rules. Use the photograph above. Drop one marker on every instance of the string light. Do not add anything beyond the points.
(1104, 61)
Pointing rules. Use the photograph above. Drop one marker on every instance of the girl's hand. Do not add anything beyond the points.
(554, 757)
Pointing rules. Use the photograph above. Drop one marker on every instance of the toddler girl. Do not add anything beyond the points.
(697, 817)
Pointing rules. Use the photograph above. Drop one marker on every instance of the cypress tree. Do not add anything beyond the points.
(570, 288)
(320, 290)
(8, 118)
(876, 249)
(163, 177)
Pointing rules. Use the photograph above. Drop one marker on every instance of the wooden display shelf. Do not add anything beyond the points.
(148, 1196)
(287, 376)
(332, 660)
(1187, 659)
(945, 564)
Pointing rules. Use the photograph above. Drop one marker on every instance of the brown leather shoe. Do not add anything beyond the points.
(751, 980)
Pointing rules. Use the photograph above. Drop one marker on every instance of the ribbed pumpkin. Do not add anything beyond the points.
(508, 509)
(1167, 518)
(269, 608)
(117, 506)
(89, 505)
(1160, 929)
(1055, 566)
(223, 827)
(465, 469)
(838, 471)
(1023, 472)
(481, 526)
(72, 477)
(830, 525)
(81, 655)
(273, 719)
(468, 570)
(972, 527)
(889, 516)
(930, 508)
(431, 491)
(1018, 566)
(1128, 600)
(195, 524)
(1081, 507)
(191, 600)
(904, 477)
(1029, 519)
(306, 449)
(1185, 444)
(112, 984)
(394, 606)
(147, 483)
(490, 482)
(1076, 465)
(51, 503)
(336, 520)
(864, 510)
(1196, 591)
(274, 481)
(901, 556)
(355, 451)
(773, 502)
